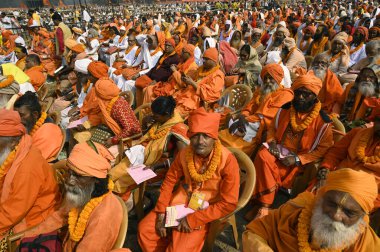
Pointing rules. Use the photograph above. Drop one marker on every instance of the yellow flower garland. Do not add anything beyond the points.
(362, 145)
(313, 114)
(8, 162)
(215, 160)
(153, 135)
(78, 222)
(8, 81)
(110, 105)
(303, 230)
(39, 123)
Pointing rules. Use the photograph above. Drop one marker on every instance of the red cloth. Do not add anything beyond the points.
(230, 58)
(10, 122)
(60, 38)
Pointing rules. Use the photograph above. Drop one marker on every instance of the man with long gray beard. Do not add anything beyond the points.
(95, 213)
(9, 90)
(336, 219)
(28, 190)
(331, 92)
(356, 96)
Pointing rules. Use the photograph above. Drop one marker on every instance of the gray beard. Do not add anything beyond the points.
(267, 89)
(319, 73)
(330, 234)
(367, 88)
(77, 197)
(4, 154)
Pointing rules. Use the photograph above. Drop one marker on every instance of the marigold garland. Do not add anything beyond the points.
(154, 134)
(8, 162)
(357, 48)
(8, 81)
(39, 123)
(110, 105)
(362, 145)
(215, 160)
(313, 114)
(335, 57)
(317, 45)
(78, 221)
(201, 73)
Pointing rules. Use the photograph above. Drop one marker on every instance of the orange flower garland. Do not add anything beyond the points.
(8, 162)
(215, 160)
(303, 230)
(8, 81)
(39, 123)
(357, 48)
(335, 57)
(157, 135)
(78, 221)
(110, 105)
(362, 145)
(201, 73)
(313, 114)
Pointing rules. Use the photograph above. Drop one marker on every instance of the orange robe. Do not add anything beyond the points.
(310, 145)
(48, 139)
(331, 93)
(221, 191)
(360, 107)
(91, 109)
(278, 230)
(257, 111)
(343, 155)
(102, 228)
(29, 191)
(37, 76)
(209, 89)
(9, 45)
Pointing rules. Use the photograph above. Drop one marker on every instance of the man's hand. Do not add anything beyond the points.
(184, 226)
(73, 111)
(80, 128)
(273, 149)
(160, 225)
(173, 68)
(288, 161)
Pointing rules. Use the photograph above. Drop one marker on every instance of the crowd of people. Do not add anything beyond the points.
(89, 94)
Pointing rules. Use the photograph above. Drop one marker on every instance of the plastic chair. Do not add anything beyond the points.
(123, 228)
(339, 131)
(238, 96)
(247, 185)
(128, 96)
(42, 92)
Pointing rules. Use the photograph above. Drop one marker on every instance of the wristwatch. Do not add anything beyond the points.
(298, 161)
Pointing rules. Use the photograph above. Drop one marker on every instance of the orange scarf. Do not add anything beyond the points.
(357, 48)
(318, 47)
(306, 46)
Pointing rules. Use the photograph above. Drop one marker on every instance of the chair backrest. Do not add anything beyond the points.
(238, 96)
(56, 117)
(42, 92)
(143, 111)
(338, 129)
(123, 228)
(247, 178)
(128, 96)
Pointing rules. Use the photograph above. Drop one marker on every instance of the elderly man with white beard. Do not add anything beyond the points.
(336, 219)
(9, 90)
(331, 92)
(95, 213)
(357, 96)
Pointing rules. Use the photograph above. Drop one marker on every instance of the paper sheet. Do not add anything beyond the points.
(174, 213)
(139, 175)
(75, 124)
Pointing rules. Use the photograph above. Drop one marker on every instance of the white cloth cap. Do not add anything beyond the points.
(81, 65)
(123, 28)
(20, 40)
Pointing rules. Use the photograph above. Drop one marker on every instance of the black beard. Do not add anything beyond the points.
(317, 36)
(303, 107)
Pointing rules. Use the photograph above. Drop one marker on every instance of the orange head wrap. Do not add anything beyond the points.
(161, 39)
(78, 48)
(363, 30)
(201, 121)
(10, 123)
(96, 162)
(274, 70)
(212, 54)
(51, 134)
(98, 69)
(6, 34)
(170, 41)
(189, 48)
(309, 81)
(359, 184)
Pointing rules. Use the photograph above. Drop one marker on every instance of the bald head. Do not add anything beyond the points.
(32, 60)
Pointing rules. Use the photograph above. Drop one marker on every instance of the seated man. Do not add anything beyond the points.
(35, 71)
(356, 97)
(331, 92)
(334, 220)
(8, 45)
(339, 55)
(300, 134)
(291, 56)
(47, 137)
(246, 132)
(29, 192)
(304, 43)
(9, 90)
(256, 41)
(209, 169)
(357, 47)
(21, 53)
(320, 41)
(95, 213)
(372, 60)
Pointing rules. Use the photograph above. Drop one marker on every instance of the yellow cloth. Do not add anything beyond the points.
(18, 74)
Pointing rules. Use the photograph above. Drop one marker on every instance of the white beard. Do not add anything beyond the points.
(76, 197)
(367, 88)
(319, 73)
(4, 154)
(330, 234)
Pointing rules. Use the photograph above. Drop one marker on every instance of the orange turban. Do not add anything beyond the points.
(201, 121)
(363, 30)
(161, 39)
(359, 184)
(49, 136)
(189, 48)
(85, 161)
(274, 70)
(170, 41)
(212, 54)
(309, 81)
(78, 48)
(98, 69)
(10, 123)
(6, 34)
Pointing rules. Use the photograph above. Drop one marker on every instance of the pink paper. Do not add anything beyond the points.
(78, 122)
(175, 213)
(139, 175)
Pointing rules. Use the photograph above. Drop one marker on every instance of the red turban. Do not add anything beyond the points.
(309, 81)
(274, 70)
(86, 161)
(201, 121)
(363, 30)
(212, 54)
(310, 28)
(189, 48)
(170, 41)
(359, 184)
(10, 123)
(98, 69)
